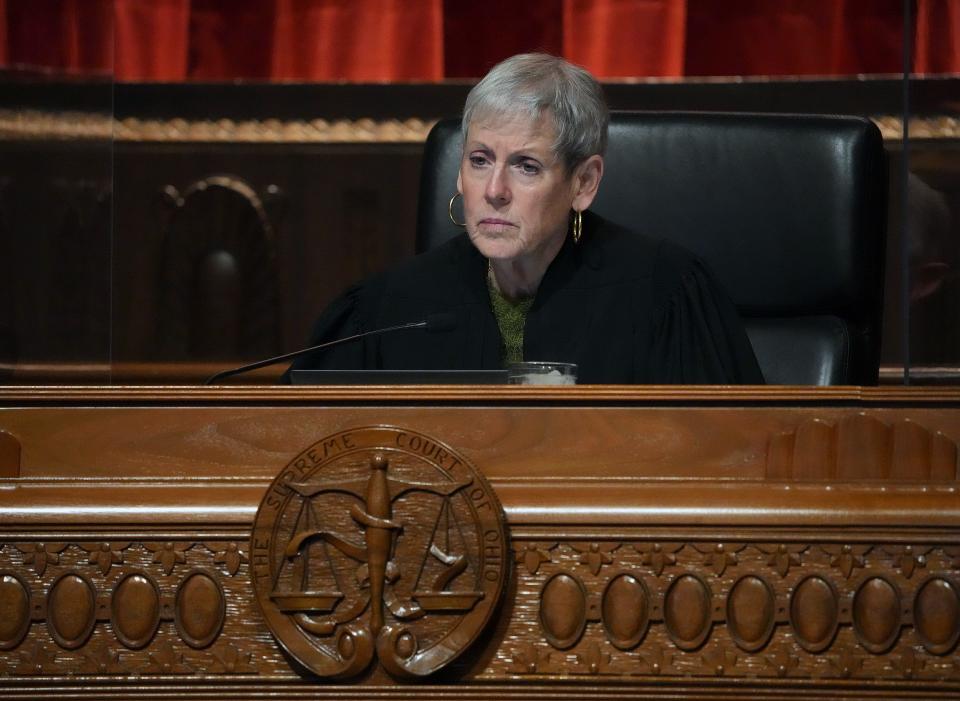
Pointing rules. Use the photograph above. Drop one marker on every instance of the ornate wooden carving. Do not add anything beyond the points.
(936, 611)
(626, 610)
(812, 623)
(862, 447)
(135, 610)
(15, 606)
(80, 597)
(414, 587)
(71, 610)
(563, 610)
(635, 585)
(199, 609)
(815, 613)
(746, 621)
(751, 612)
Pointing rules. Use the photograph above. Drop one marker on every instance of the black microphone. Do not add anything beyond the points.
(444, 321)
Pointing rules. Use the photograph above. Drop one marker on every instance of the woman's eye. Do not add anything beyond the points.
(478, 161)
(528, 168)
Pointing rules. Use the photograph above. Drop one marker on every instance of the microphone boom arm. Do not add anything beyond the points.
(303, 351)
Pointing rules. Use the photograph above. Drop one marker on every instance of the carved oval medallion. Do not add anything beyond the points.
(751, 612)
(563, 610)
(199, 609)
(936, 615)
(14, 611)
(135, 610)
(688, 611)
(378, 542)
(814, 613)
(71, 610)
(625, 611)
(876, 614)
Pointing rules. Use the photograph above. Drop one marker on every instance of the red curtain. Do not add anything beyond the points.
(476, 35)
(4, 51)
(402, 40)
(794, 37)
(237, 41)
(938, 36)
(72, 36)
(162, 56)
(615, 38)
(374, 40)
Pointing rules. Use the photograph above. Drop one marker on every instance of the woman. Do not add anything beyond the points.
(537, 276)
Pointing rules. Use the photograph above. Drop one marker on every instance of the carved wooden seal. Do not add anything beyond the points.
(378, 541)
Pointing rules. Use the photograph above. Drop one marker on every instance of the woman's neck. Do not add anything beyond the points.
(519, 278)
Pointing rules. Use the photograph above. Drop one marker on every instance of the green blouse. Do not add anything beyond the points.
(511, 316)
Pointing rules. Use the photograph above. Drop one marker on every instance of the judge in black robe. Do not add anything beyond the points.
(626, 308)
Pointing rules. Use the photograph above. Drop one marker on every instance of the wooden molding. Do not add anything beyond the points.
(861, 445)
(35, 124)
(846, 396)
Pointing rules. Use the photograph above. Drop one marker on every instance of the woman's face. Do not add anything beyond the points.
(517, 195)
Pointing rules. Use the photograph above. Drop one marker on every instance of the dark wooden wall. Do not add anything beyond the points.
(339, 213)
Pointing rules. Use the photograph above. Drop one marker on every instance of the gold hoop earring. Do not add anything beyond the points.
(450, 210)
(577, 226)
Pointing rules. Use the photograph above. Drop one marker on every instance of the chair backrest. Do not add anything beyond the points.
(789, 212)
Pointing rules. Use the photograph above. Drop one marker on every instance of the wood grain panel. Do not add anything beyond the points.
(539, 441)
(9, 455)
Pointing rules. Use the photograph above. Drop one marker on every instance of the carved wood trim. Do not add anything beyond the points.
(650, 687)
(35, 124)
(529, 504)
(862, 447)
(811, 612)
(480, 394)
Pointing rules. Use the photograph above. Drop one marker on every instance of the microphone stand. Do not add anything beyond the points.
(303, 351)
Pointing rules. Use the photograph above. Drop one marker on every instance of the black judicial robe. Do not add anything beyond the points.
(626, 308)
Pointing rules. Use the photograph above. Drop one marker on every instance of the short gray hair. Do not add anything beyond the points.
(532, 83)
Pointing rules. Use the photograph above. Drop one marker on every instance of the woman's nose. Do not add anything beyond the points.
(497, 191)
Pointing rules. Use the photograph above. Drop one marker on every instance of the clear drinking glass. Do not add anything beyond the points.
(542, 373)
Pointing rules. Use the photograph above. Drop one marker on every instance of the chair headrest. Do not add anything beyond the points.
(785, 209)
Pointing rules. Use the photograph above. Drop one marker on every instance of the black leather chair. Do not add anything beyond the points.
(789, 212)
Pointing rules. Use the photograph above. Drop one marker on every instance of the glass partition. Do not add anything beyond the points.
(184, 185)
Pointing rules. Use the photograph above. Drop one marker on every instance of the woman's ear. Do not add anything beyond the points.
(459, 183)
(587, 178)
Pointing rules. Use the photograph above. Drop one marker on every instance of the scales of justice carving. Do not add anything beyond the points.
(378, 542)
